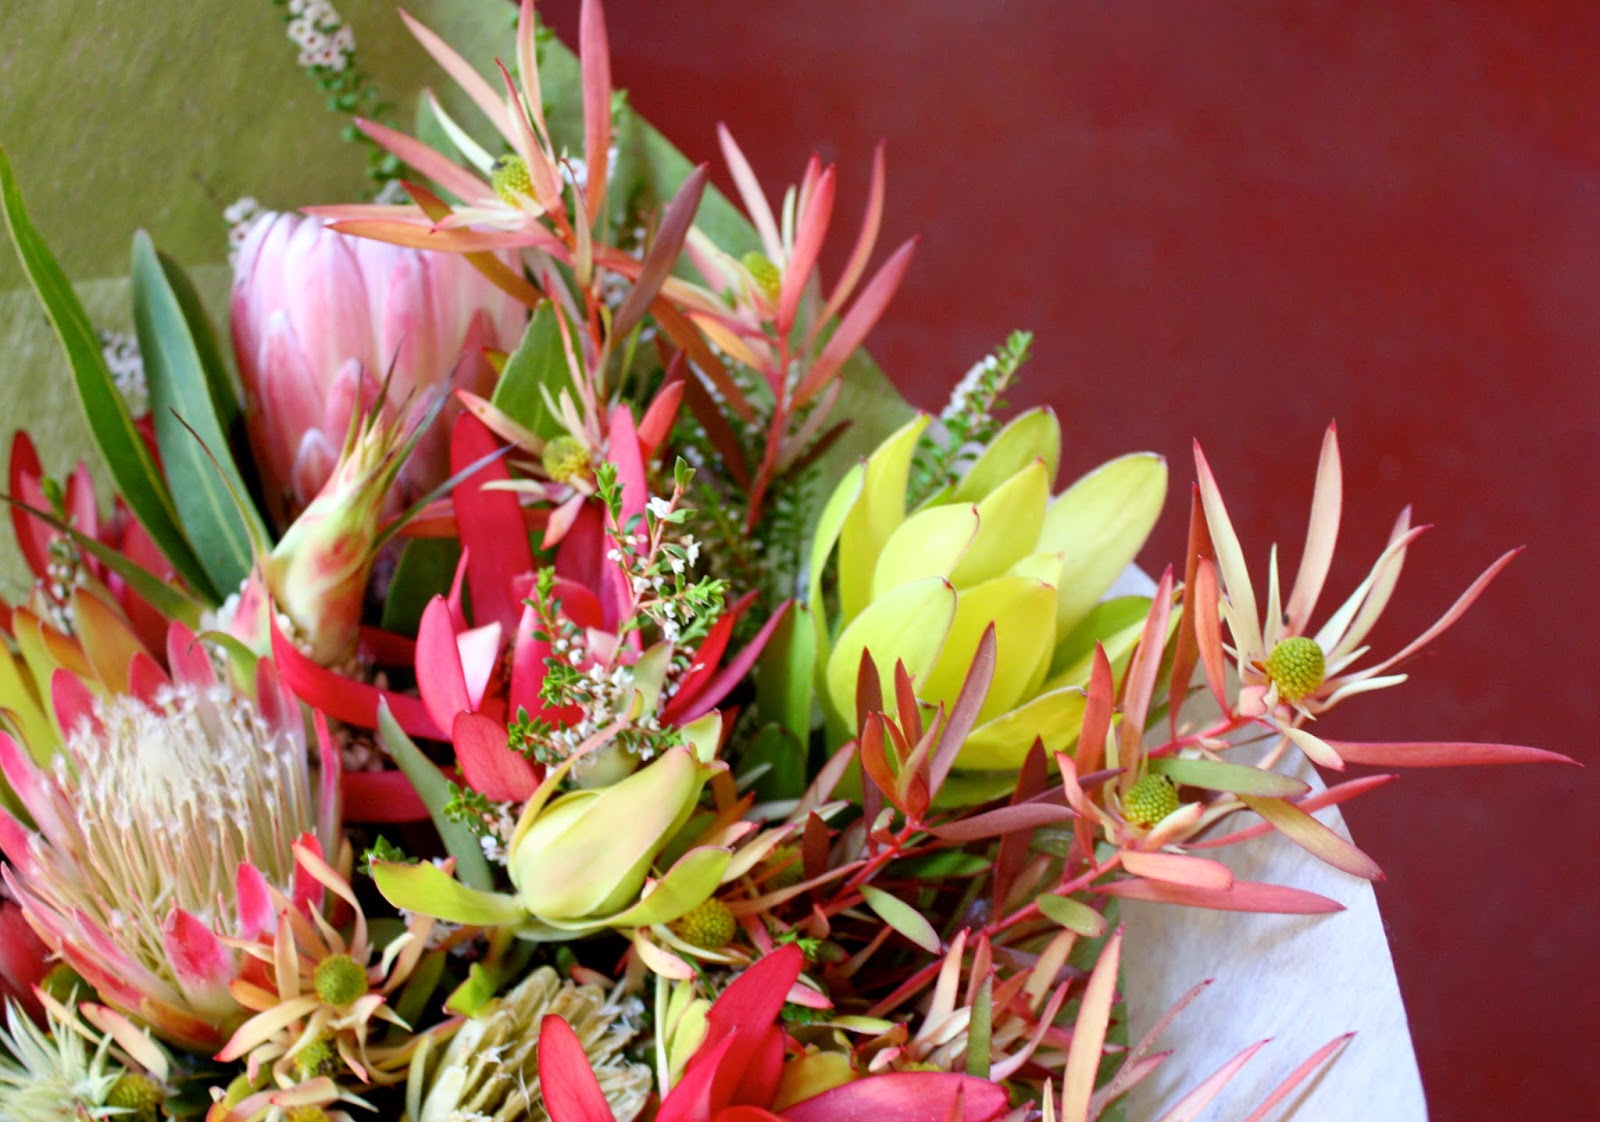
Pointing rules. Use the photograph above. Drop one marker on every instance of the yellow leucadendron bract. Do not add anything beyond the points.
(921, 586)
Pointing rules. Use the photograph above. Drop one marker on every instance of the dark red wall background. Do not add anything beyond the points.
(1235, 222)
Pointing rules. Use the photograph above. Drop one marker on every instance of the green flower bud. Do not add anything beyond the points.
(1297, 667)
(340, 980)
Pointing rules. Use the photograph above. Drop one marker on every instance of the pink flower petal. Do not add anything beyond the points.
(487, 761)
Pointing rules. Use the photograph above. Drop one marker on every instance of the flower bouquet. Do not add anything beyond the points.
(548, 673)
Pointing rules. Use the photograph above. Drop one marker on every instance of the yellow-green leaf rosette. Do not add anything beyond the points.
(921, 586)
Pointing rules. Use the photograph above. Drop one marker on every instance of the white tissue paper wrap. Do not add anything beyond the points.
(1300, 980)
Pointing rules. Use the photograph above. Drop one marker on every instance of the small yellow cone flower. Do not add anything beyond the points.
(921, 586)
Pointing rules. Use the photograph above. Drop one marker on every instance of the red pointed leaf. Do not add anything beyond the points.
(571, 1091)
(491, 525)
(490, 766)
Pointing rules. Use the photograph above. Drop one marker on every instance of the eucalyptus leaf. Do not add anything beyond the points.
(472, 868)
(538, 366)
(208, 490)
(138, 479)
(425, 569)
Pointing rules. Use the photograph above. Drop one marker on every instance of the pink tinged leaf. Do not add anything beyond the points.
(1187, 653)
(1004, 820)
(1139, 685)
(1126, 1077)
(447, 174)
(306, 889)
(595, 57)
(381, 796)
(665, 248)
(1188, 1108)
(474, 84)
(1376, 589)
(73, 703)
(487, 761)
(198, 958)
(907, 1096)
(1096, 713)
(1230, 558)
(421, 235)
(809, 234)
(439, 674)
(656, 424)
(1315, 748)
(491, 525)
(330, 781)
(750, 193)
(733, 673)
(255, 905)
(963, 714)
(1443, 754)
(1446, 621)
(353, 702)
(1089, 1033)
(1208, 632)
(1333, 796)
(857, 322)
(32, 785)
(865, 240)
(1177, 868)
(1327, 500)
(1244, 896)
(1298, 1076)
(1314, 837)
(624, 453)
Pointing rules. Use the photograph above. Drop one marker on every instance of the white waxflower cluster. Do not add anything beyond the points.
(325, 42)
(121, 352)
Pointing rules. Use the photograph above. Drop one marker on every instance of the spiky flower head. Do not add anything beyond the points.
(315, 989)
(1149, 800)
(143, 821)
(488, 1072)
(70, 1071)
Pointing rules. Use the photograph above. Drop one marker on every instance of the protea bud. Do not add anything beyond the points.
(921, 586)
(320, 319)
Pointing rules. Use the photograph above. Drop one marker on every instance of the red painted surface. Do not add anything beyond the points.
(1235, 222)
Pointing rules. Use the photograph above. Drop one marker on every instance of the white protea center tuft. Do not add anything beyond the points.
(168, 800)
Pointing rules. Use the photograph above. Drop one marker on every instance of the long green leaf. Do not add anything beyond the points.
(472, 868)
(134, 470)
(223, 387)
(1239, 779)
(538, 364)
(171, 602)
(902, 917)
(199, 462)
(425, 568)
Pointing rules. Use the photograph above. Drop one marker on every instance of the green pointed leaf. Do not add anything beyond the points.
(1115, 623)
(785, 674)
(688, 884)
(221, 384)
(474, 993)
(138, 479)
(902, 917)
(434, 791)
(425, 569)
(1023, 613)
(931, 543)
(537, 366)
(194, 444)
(779, 751)
(1055, 717)
(877, 513)
(1238, 779)
(172, 602)
(1099, 524)
(428, 889)
(908, 625)
(1009, 519)
(1034, 435)
(979, 1029)
(1073, 915)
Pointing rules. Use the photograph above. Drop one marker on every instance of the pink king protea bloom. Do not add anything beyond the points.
(319, 320)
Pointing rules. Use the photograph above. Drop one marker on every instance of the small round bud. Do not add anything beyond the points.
(1149, 801)
(137, 1097)
(340, 979)
(1297, 667)
(766, 275)
(510, 178)
(709, 924)
(305, 1114)
(566, 460)
(318, 1058)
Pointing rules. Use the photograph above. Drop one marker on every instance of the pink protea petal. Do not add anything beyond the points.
(16, 843)
(198, 958)
(624, 454)
(257, 910)
(312, 467)
(73, 704)
(146, 679)
(188, 660)
(327, 299)
(487, 761)
(22, 959)
(307, 890)
(904, 1097)
(288, 396)
(32, 785)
